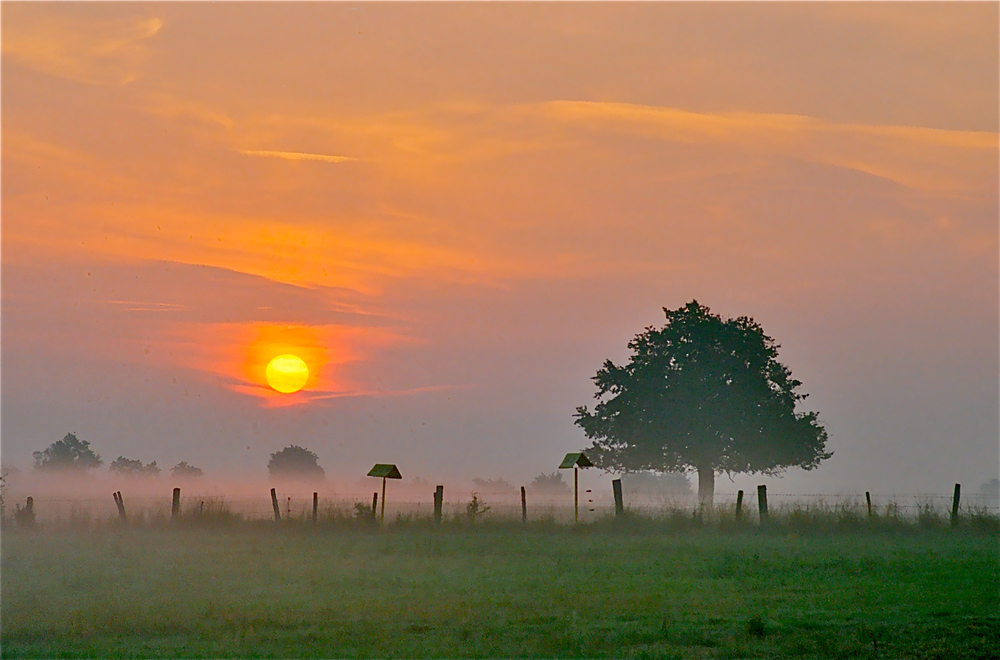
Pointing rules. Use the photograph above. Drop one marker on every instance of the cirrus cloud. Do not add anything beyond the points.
(295, 155)
(109, 51)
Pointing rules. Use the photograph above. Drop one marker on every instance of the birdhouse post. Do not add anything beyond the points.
(386, 471)
(576, 461)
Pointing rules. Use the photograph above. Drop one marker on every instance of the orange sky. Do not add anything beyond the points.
(456, 212)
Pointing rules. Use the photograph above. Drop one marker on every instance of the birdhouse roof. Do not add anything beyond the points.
(578, 459)
(385, 470)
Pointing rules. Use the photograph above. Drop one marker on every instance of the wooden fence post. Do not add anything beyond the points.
(120, 503)
(762, 503)
(868, 499)
(315, 506)
(374, 507)
(616, 488)
(739, 504)
(438, 503)
(954, 504)
(274, 504)
(524, 506)
(175, 505)
(381, 517)
(576, 494)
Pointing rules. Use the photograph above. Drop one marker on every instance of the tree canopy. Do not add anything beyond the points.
(70, 453)
(702, 393)
(184, 471)
(127, 467)
(295, 462)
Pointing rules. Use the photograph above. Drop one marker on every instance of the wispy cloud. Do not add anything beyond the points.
(316, 396)
(143, 306)
(81, 48)
(295, 155)
(427, 144)
(237, 354)
(173, 107)
(272, 399)
(941, 161)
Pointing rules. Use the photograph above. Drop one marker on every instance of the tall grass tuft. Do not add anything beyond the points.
(211, 512)
(981, 521)
(929, 518)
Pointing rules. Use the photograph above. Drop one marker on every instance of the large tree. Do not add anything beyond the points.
(295, 462)
(702, 393)
(70, 453)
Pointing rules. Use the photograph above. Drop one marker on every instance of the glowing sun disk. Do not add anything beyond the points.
(287, 373)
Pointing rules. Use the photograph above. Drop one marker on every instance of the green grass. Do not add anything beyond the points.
(498, 591)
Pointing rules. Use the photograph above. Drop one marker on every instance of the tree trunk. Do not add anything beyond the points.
(706, 488)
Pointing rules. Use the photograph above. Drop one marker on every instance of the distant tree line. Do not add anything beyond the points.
(298, 463)
(72, 455)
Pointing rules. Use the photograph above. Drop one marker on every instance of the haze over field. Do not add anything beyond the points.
(455, 213)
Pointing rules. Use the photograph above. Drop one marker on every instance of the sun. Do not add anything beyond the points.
(287, 373)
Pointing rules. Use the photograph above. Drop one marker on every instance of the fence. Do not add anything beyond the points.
(458, 503)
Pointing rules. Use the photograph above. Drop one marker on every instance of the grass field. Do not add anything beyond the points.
(495, 590)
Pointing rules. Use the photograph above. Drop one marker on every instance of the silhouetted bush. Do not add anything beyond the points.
(25, 517)
(475, 508)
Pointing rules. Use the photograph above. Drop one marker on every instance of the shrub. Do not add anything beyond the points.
(928, 518)
(25, 517)
(475, 508)
(364, 511)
